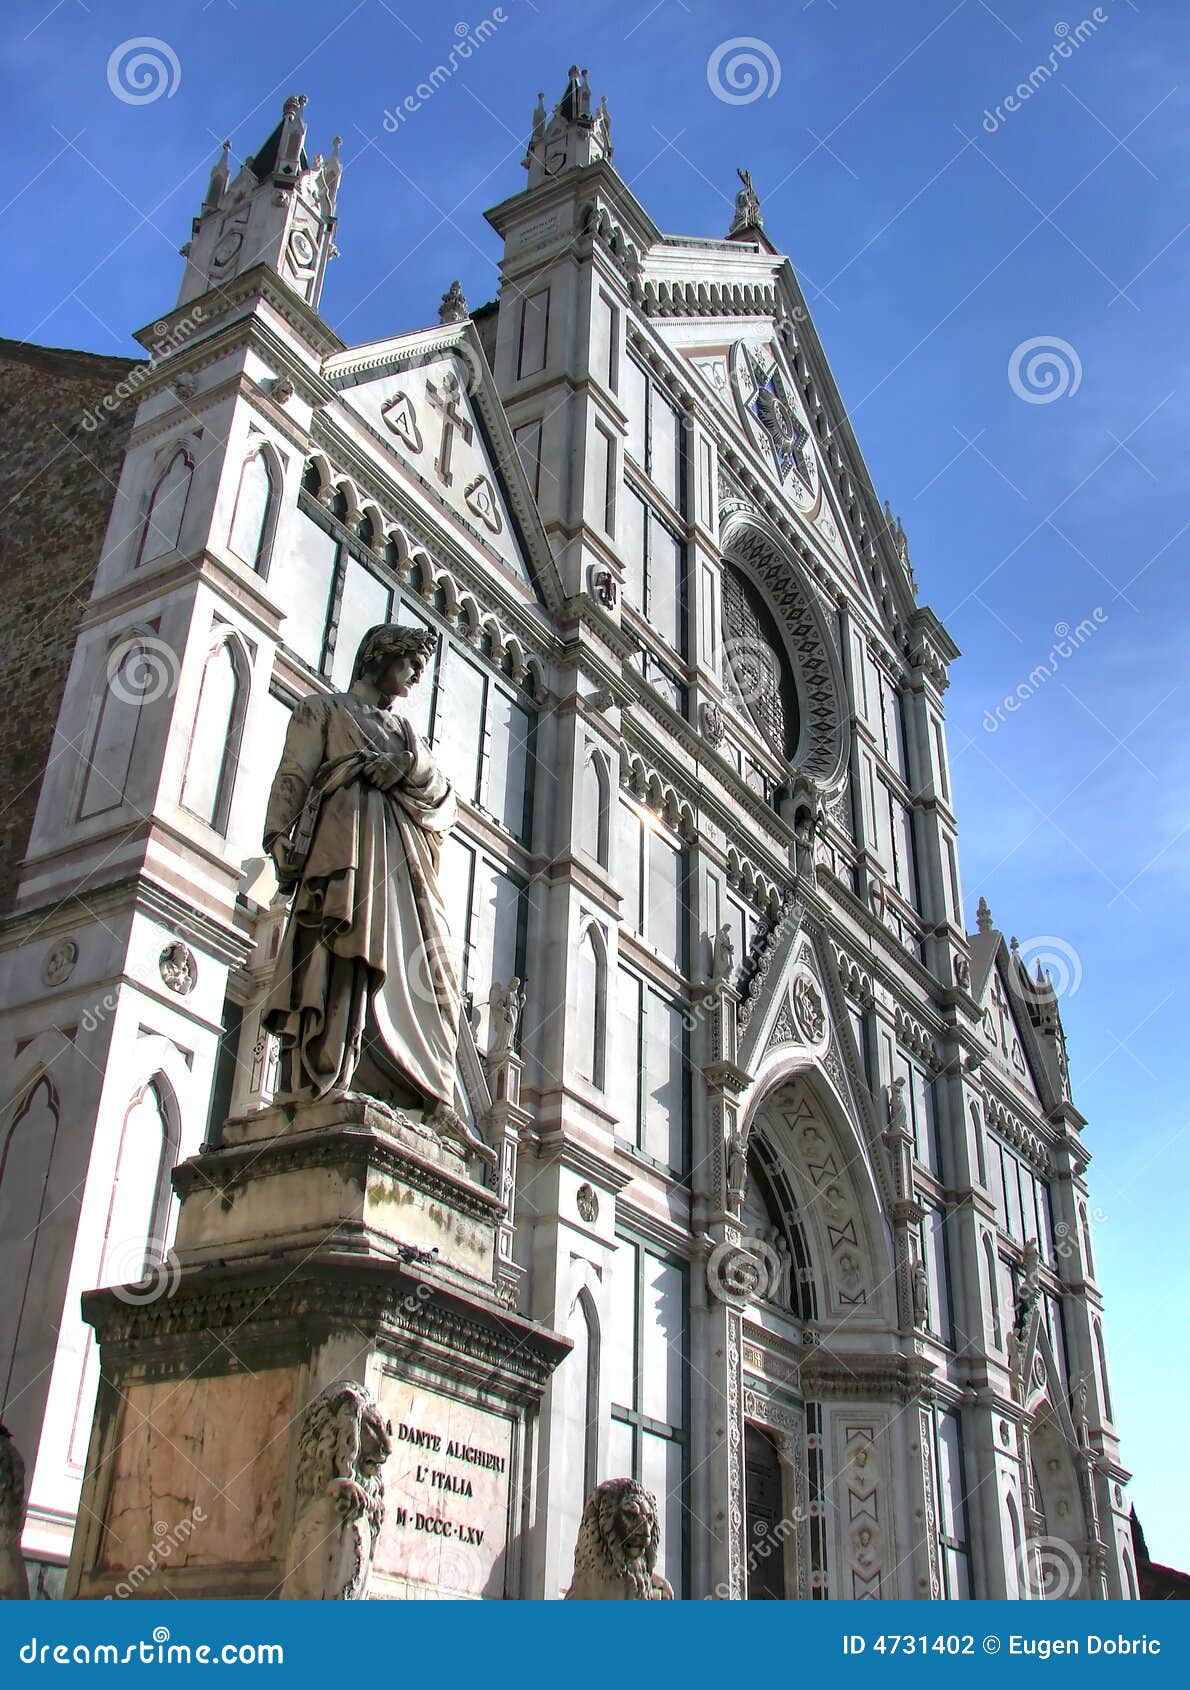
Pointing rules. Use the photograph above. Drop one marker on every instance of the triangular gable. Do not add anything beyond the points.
(728, 368)
(1010, 1035)
(428, 400)
(800, 1006)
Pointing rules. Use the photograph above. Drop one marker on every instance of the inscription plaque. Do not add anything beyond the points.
(446, 1487)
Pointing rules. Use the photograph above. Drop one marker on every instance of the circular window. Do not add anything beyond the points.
(780, 667)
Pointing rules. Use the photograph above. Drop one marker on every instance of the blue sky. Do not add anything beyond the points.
(933, 240)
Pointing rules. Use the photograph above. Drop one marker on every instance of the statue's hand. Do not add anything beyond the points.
(286, 861)
(386, 770)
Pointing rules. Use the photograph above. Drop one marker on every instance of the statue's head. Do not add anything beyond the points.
(393, 657)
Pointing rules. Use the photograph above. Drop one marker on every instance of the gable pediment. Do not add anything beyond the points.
(428, 401)
(1008, 1031)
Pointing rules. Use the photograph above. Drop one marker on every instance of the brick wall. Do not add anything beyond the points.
(57, 482)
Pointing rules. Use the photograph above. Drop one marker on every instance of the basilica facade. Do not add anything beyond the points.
(791, 1156)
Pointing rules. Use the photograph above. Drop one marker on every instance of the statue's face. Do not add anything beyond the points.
(395, 675)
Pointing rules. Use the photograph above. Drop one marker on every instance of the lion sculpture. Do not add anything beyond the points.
(343, 1444)
(618, 1543)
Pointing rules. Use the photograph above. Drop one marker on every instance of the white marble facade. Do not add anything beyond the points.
(787, 1132)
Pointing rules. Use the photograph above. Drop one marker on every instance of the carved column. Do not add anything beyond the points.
(731, 1275)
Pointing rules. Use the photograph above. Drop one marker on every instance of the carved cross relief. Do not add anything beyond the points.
(446, 402)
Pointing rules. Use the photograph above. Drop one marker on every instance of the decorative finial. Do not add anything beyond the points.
(454, 305)
(983, 916)
(220, 176)
(1014, 944)
(332, 170)
(748, 214)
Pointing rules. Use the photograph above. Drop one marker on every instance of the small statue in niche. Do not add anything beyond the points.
(898, 1115)
(1028, 1290)
(722, 959)
(619, 1541)
(506, 1004)
(921, 1294)
(343, 1444)
(737, 1167)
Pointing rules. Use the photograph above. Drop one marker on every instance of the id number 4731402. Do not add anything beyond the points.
(895, 1643)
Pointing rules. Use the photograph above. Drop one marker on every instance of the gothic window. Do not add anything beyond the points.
(363, 601)
(487, 909)
(167, 507)
(647, 1354)
(650, 1073)
(136, 1230)
(1101, 1357)
(651, 874)
(953, 1538)
(594, 820)
(132, 676)
(654, 431)
(139, 1203)
(27, 1143)
(591, 1007)
(213, 755)
(528, 445)
(301, 581)
(251, 525)
(654, 567)
(575, 1462)
(535, 318)
(757, 673)
(989, 1257)
(934, 1255)
(919, 1104)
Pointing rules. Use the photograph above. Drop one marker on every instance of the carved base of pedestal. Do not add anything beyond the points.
(191, 1488)
(322, 1242)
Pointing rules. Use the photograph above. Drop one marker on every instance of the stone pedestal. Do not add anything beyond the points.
(319, 1243)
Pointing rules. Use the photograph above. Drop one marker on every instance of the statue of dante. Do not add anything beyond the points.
(365, 997)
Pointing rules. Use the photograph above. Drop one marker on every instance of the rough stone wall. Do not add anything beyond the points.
(57, 482)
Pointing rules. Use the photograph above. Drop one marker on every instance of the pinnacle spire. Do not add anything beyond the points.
(983, 917)
(573, 135)
(220, 176)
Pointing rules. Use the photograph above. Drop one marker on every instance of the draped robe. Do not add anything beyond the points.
(365, 986)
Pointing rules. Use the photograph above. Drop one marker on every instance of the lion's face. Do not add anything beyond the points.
(375, 1442)
(628, 1526)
